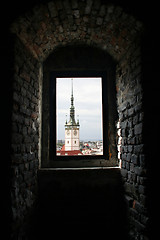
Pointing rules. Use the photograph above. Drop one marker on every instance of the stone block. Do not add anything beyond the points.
(124, 172)
(74, 4)
(88, 7)
(102, 11)
(123, 133)
(131, 167)
(132, 140)
(135, 119)
(144, 219)
(124, 156)
(134, 213)
(129, 200)
(139, 207)
(17, 138)
(128, 157)
(76, 13)
(138, 148)
(134, 159)
(139, 171)
(27, 139)
(99, 21)
(140, 227)
(123, 124)
(141, 189)
(130, 148)
(123, 164)
(138, 128)
(142, 160)
(127, 166)
(138, 107)
(52, 9)
(130, 112)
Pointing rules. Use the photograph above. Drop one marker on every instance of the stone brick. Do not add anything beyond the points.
(123, 124)
(124, 172)
(142, 189)
(144, 220)
(132, 167)
(130, 148)
(17, 138)
(142, 160)
(139, 207)
(138, 148)
(127, 166)
(139, 171)
(130, 112)
(134, 159)
(76, 13)
(129, 200)
(99, 21)
(15, 97)
(128, 157)
(102, 11)
(140, 227)
(138, 129)
(74, 4)
(134, 213)
(88, 6)
(52, 9)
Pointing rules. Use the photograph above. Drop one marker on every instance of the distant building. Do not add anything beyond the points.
(72, 144)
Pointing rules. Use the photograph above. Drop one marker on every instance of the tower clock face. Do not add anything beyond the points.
(75, 132)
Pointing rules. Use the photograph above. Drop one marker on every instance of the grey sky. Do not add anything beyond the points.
(87, 94)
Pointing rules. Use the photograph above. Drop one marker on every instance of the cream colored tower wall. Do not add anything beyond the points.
(71, 139)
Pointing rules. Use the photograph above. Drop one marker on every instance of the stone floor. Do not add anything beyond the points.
(81, 203)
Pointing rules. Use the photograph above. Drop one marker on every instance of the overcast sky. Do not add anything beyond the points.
(87, 94)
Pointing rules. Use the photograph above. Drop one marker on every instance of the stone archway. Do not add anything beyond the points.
(58, 23)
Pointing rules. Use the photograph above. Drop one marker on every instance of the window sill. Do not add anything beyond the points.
(85, 163)
(78, 168)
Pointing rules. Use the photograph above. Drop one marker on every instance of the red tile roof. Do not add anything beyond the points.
(70, 153)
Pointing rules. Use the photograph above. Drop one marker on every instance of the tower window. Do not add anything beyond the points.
(82, 62)
(81, 99)
(81, 115)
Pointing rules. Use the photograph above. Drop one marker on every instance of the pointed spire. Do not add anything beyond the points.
(72, 121)
(72, 98)
(72, 106)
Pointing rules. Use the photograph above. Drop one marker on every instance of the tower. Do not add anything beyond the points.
(72, 128)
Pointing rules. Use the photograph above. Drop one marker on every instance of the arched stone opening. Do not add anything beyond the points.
(80, 58)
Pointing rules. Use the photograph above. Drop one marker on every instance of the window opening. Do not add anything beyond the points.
(80, 133)
(78, 124)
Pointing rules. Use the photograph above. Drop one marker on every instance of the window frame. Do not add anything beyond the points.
(52, 115)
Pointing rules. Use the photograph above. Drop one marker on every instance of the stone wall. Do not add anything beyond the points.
(25, 133)
(64, 22)
(131, 149)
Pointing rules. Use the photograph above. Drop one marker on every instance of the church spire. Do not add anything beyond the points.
(72, 98)
(72, 105)
(72, 121)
